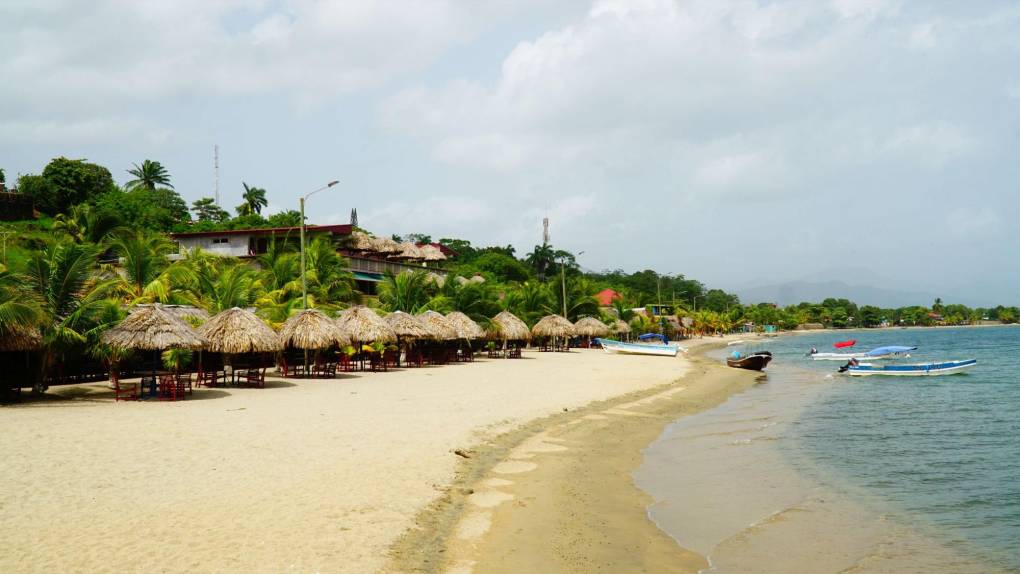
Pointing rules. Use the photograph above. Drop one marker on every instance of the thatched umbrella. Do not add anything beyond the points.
(621, 327)
(153, 329)
(508, 327)
(365, 326)
(553, 326)
(407, 325)
(433, 277)
(236, 331)
(591, 327)
(439, 325)
(466, 328)
(409, 251)
(20, 339)
(312, 329)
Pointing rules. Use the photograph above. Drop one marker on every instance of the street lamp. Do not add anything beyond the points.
(563, 281)
(304, 281)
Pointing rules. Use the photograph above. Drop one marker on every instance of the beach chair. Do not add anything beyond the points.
(170, 389)
(255, 378)
(392, 358)
(124, 391)
(184, 379)
(210, 375)
(345, 364)
(377, 362)
(514, 352)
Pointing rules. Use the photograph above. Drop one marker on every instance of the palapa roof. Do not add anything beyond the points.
(408, 326)
(436, 278)
(508, 327)
(152, 328)
(431, 253)
(553, 326)
(440, 326)
(180, 311)
(620, 326)
(386, 245)
(363, 325)
(466, 328)
(237, 331)
(361, 241)
(409, 251)
(591, 327)
(312, 329)
(20, 338)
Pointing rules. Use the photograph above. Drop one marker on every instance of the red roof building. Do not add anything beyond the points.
(606, 297)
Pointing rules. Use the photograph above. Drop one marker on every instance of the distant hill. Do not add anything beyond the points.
(793, 292)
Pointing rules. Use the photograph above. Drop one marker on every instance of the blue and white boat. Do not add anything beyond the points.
(917, 370)
(611, 346)
(876, 354)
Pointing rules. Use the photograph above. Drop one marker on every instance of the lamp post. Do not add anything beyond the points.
(304, 281)
(563, 282)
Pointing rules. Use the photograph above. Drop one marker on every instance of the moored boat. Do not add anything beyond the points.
(753, 362)
(876, 354)
(611, 346)
(915, 370)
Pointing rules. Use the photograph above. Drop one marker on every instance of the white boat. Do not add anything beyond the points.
(610, 346)
(918, 370)
(876, 354)
(737, 342)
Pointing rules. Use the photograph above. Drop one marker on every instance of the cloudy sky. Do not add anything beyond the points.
(740, 143)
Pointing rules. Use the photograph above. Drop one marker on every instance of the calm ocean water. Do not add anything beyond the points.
(871, 474)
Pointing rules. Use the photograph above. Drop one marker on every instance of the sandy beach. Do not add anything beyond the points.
(303, 476)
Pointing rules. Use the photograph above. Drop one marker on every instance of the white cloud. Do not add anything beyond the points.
(932, 143)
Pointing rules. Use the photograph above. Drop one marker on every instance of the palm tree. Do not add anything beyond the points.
(148, 176)
(580, 301)
(330, 282)
(144, 261)
(84, 224)
(530, 301)
(73, 294)
(542, 259)
(254, 200)
(408, 292)
(217, 284)
(16, 310)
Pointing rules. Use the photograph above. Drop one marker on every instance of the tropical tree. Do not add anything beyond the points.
(580, 299)
(16, 310)
(149, 175)
(83, 223)
(73, 294)
(205, 209)
(328, 275)
(542, 259)
(530, 300)
(410, 292)
(218, 284)
(145, 277)
(254, 200)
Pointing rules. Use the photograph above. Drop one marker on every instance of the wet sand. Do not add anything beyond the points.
(558, 495)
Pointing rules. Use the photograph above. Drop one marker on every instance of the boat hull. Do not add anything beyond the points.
(754, 362)
(621, 348)
(921, 370)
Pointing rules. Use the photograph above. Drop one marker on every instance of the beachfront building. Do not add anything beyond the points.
(370, 260)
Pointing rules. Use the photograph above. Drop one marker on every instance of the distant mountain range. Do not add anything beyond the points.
(793, 292)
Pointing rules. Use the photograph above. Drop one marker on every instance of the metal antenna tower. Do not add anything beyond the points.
(216, 172)
(545, 231)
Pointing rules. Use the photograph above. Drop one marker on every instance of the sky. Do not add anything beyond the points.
(741, 143)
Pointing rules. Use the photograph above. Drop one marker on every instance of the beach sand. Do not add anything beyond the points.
(558, 495)
(302, 476)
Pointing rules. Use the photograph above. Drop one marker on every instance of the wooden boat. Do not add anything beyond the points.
(610, 346)
(753, 362)
(876, 354)
(917, 370)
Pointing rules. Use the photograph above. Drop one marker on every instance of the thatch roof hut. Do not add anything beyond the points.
(409, 251)
(365, 326)
(386, 245)
(553, 326)
(192, 315)
(237, 331)
(312, 329)
(590, 327)
(361, 241)
(408, 326)
(433, 277)
(466, 328)
(441, 327)
(508, 327)
(153, 329)
(432, 253)
(620, 326)
(20, 338)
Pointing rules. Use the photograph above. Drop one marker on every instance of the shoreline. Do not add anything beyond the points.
(558, 494)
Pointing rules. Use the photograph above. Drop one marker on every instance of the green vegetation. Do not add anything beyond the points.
(98, 248)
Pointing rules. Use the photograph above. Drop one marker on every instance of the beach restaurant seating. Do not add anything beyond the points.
(171, 388)
(124, 391)
(254, 377)
(210, 371)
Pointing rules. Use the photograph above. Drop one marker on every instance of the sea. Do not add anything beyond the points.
(813, 471)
